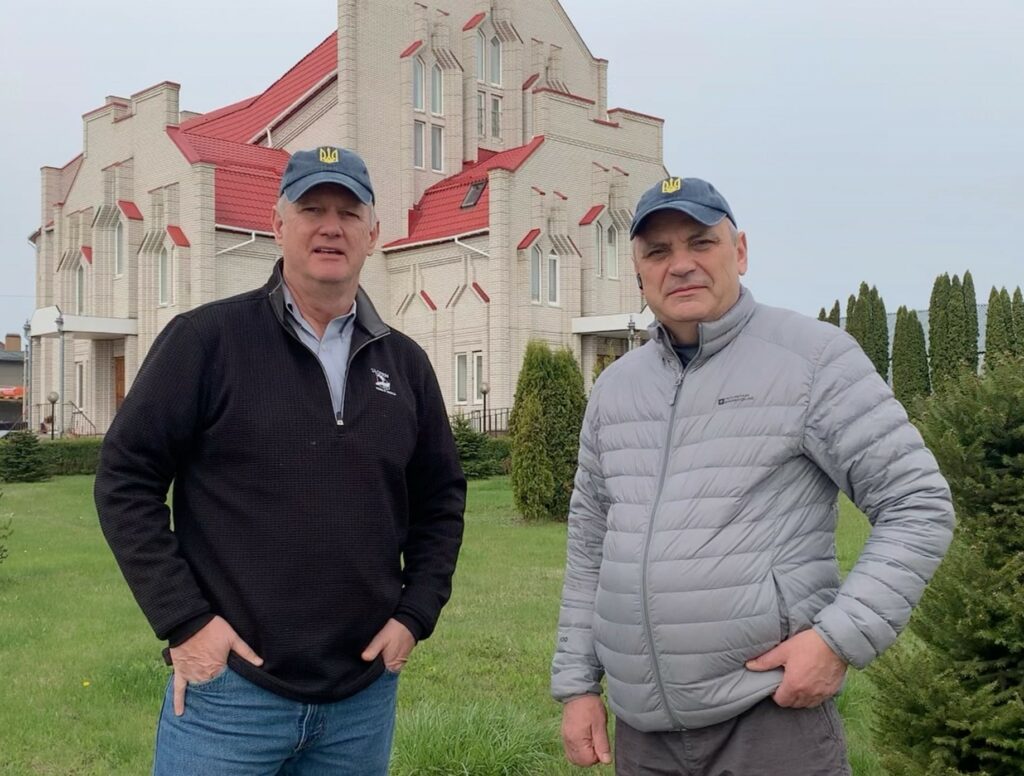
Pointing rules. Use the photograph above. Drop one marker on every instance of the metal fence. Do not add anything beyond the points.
(494, 422)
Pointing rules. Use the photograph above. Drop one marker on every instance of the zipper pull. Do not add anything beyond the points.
(338, 419)
(675, 389)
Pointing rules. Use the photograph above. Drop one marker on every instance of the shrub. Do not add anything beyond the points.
(474, 450)
(21, 459)
(499, 450)
(953, 701)
(72, 456)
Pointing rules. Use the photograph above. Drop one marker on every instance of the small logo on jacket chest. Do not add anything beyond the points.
(740, 398)
(383, 383)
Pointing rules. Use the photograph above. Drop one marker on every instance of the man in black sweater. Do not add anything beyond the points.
(318, 502)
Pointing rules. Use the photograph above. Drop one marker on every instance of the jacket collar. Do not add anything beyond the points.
(367, 317)
(713, 336)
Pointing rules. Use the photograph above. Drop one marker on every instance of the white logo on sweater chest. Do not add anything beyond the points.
(383, 382)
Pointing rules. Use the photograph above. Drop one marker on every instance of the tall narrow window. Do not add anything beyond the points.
(478, 375)
(553, 278)
(436, 148)
(481, 114)
(119, 248)
(535, 261)
(495, 61)
(80, 290)
(496, 117)
(436, 87)
(612, 261)
(163, 276)
(417, 83)
(481, 57)
(79, 384)
(598, 250)
(417, 143)
(461, 375)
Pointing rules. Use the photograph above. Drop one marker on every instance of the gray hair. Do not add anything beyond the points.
(371, 212)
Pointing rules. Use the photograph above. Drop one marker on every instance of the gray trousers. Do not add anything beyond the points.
(765, 740)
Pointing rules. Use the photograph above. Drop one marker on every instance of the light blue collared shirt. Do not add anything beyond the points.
(332, 349)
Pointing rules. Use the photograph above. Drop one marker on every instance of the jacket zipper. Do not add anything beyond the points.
(647, 549)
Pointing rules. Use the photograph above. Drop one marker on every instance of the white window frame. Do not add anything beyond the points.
(612, 255)
(478, 376)
(80, 289)
(598, 249)
(462, 363)
(436, 90)
(495, 116)
(494, 60)
(553, 279)
(418, 83)
(481, 114)
(119, 248)
(536, 273)
(481, 56)
(418, 158)
(437, 148)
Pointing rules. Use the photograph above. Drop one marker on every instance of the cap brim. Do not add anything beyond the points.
(302, 185)
(708, 216)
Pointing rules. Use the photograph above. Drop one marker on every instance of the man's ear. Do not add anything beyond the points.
(275, 224)
(741, 252)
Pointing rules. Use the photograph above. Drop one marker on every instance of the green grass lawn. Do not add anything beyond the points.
(81, 677)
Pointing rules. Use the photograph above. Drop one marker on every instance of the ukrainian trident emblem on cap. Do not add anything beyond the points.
(328, 155)
(671, 185)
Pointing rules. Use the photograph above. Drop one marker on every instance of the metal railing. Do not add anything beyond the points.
(494, 422)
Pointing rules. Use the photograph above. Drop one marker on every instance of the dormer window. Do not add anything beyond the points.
(473, 194)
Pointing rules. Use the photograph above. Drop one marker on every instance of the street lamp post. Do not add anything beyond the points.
(53, 397)
(485, 388)
(632, 333)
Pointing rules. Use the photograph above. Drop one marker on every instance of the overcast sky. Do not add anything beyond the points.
(855, 139)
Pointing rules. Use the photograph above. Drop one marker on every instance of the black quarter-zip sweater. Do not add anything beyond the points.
(304, 532)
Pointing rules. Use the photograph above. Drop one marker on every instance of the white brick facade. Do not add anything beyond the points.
(455, 294)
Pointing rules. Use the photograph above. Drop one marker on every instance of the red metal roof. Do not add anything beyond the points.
(245, 198)
(178, 236)
(591, 214)
(243, 120)
(130, 209)
(440, 211)
(528, 239)
(225, 153)
(474, 21)
(87, 253)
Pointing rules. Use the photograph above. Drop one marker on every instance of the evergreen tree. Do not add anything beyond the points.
(822, 315)
(997, 342)
(474, 452)
(919, 354)
(939, 356)
(21, 459)
(879, 334)
(909, 360)
(953, 700)
(833, 317)
(551, 439)
(858, 325)
(970, 356)
(956, 326)
(851, 312)
(1017, 313)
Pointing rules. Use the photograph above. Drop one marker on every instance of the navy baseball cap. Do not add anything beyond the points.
(326, 164)
(698, 199)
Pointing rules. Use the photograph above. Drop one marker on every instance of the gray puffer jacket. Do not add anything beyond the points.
(702, 525)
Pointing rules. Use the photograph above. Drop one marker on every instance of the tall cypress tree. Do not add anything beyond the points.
(1017, 313)
(822, 315)
(998, 329)
(901, 378)
(918, 355)
(859, 324)
(851, 315)
(938, 350)
(971, 308)
(879, 333)
(833, 317)
(956, 326)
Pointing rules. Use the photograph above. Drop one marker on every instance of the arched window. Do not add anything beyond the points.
(119, 248)
(612, 255)
(535, 262)
(481, 57)
(436, 98)
(553, 278)
(80, 290)
(495, 61)
(417, 84)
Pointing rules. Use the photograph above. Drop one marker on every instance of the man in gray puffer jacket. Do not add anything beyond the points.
(701, 578)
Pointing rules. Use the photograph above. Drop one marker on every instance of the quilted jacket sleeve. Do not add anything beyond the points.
(859, 434)
(576, 670)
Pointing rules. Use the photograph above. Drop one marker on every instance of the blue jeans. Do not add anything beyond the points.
(231, 727)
